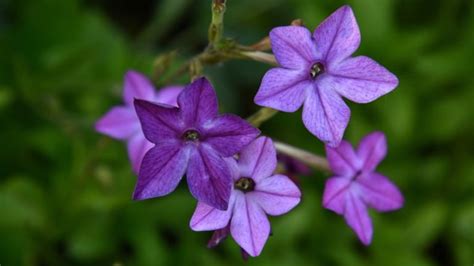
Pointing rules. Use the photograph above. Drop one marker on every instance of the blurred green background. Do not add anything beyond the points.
(65, 190)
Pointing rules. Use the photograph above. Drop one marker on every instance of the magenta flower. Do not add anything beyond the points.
(316, 69)
(256, 192)
(356, 185)
(191, 139)
(122, 123)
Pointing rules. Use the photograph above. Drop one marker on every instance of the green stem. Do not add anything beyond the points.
(195, 69)
(261, 116)
(216, 28)
(260, 57)
(315, 161)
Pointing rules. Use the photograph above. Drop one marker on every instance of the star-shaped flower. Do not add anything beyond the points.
(122, 123)
(316, 70)
(193, 139)
(256, 192)
(356, 185)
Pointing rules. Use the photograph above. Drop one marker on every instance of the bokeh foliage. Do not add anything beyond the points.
(65, 191)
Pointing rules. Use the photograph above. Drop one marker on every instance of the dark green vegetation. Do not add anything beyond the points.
(65, 191)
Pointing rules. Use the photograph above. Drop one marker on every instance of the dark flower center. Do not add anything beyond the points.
(316, 70)
(191, 135)
(357, 174)
(245, 184)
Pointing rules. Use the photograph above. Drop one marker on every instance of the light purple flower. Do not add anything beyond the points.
(191, 139)
(256, 192)
(356, 185)
(122, 123)
(316, 69)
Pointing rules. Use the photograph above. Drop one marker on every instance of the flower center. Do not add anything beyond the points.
(316, 70)
(356, 175)
(191, 135)
(245, 184)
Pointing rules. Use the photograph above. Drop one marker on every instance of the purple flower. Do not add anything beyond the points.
(316, 69)
(122, 123)
(356, 185)
(191, 139)
(256, 192)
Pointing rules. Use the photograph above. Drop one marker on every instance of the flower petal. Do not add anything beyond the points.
(325, 114)
(198, 102)
(250, 227)
(120, 123)
(228, 134)
(379, 193)
(169, 95)
(137, 86)
(362, 80)
(283, 89)
(209, 177)
(233, 167)
(293, 46)
(338, 36)
(358, 219)
(372, 149)
(276, 194)
(161, 170)
(208, 218)
(335, 193)
(258, 160)
(343, 160)
(137, 147)
(159, 122)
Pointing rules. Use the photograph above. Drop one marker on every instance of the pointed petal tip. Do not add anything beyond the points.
(208, 218)
(366, 240)
(137, 195)
(343, 9)
(326, 116)
(199, 82)
(346, 7)
(120, 122)
(332, 143)
(98, 126)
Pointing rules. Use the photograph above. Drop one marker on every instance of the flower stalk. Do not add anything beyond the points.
(260, 57)
(261, 116)
(216, 28)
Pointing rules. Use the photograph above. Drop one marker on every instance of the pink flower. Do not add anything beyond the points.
(357, 186)
(122, 123)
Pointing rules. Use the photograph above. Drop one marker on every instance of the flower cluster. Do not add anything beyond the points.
(231, 171)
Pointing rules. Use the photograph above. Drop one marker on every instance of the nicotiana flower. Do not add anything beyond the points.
(193, 139)
(122, 123)
(316, 69)
(256, 192)
(356, 185)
